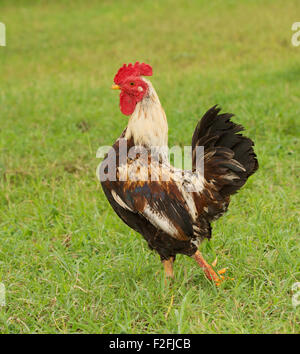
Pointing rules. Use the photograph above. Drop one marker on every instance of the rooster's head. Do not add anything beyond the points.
(133, 88)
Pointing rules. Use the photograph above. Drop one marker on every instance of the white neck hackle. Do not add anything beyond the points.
(148, 124)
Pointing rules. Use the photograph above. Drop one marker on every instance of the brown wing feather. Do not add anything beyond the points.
(161, 203)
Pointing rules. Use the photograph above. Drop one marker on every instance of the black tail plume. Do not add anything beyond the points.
(229, 158)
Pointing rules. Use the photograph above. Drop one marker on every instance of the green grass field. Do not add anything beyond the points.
(67, 262)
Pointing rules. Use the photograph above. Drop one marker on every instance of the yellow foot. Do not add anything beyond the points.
(222, 271)
(216, 277)
(219, 272)
(221, 277)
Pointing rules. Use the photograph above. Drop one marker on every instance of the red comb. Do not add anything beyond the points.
(132, 70)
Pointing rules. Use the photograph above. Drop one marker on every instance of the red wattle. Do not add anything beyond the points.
(127, 103)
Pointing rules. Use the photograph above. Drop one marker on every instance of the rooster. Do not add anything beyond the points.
(172, 213)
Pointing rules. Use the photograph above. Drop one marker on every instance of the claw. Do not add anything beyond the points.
(222, 278)
(222, 271)
(216, 277)
(214, 263)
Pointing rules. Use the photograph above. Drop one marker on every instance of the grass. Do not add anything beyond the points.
(67, 262)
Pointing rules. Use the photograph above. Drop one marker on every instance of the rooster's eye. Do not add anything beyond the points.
(132, 83)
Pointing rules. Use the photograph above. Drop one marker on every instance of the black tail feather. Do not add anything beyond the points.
(229, 158)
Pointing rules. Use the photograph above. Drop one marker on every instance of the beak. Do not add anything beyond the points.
(116, 87)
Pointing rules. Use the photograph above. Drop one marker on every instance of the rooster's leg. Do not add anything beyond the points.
(168, 265)
(209, 272)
